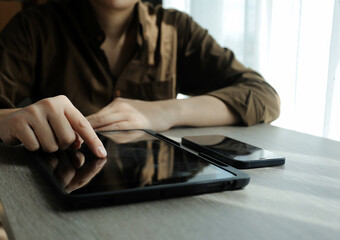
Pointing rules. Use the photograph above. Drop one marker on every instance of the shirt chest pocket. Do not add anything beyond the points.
(150, 91)
(146, 85)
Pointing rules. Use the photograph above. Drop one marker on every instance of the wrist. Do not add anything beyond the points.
(5, 112)
(171, 112)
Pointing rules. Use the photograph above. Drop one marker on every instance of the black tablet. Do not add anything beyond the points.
(140, 165)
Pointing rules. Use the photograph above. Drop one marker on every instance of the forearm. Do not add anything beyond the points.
(199, 111)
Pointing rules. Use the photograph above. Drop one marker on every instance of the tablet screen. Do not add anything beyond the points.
(135, 159)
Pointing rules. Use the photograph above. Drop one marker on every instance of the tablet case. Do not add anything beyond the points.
(168, 190)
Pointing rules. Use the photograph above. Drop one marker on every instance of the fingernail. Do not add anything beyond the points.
(102, 152)
(68, 189)
(101, 162)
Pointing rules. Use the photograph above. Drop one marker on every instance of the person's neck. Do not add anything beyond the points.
(115, 23)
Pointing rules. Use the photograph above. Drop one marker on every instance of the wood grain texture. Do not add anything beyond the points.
(300, 200)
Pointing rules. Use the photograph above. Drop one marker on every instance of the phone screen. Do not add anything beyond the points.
(226, 149)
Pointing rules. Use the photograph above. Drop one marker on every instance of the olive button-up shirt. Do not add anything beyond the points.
(55, 49)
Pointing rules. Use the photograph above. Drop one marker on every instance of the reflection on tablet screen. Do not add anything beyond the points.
(135, 160)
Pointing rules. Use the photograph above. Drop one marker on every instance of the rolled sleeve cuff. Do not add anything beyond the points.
(248, 106)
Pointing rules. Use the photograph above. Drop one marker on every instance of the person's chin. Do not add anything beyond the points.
(116, 4)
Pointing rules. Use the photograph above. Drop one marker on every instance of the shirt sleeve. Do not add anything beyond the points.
(204, 67)
(16, 62)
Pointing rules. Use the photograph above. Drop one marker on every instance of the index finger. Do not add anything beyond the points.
(80, 124)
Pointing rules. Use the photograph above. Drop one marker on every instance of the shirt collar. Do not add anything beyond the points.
(146, 35)
(91, 26)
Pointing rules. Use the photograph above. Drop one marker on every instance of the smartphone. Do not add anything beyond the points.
(232, 152)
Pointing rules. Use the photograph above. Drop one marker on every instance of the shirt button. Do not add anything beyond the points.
(100, 38)
(117, 93)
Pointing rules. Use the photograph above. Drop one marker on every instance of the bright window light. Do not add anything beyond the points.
(289, 43)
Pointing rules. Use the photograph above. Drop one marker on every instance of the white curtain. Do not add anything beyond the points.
(294, 44)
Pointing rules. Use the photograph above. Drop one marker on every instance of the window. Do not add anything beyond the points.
(292, 43)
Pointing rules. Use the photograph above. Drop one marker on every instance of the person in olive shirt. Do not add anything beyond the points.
(118, 64)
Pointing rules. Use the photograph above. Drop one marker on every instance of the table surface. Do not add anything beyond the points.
(300, 200)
